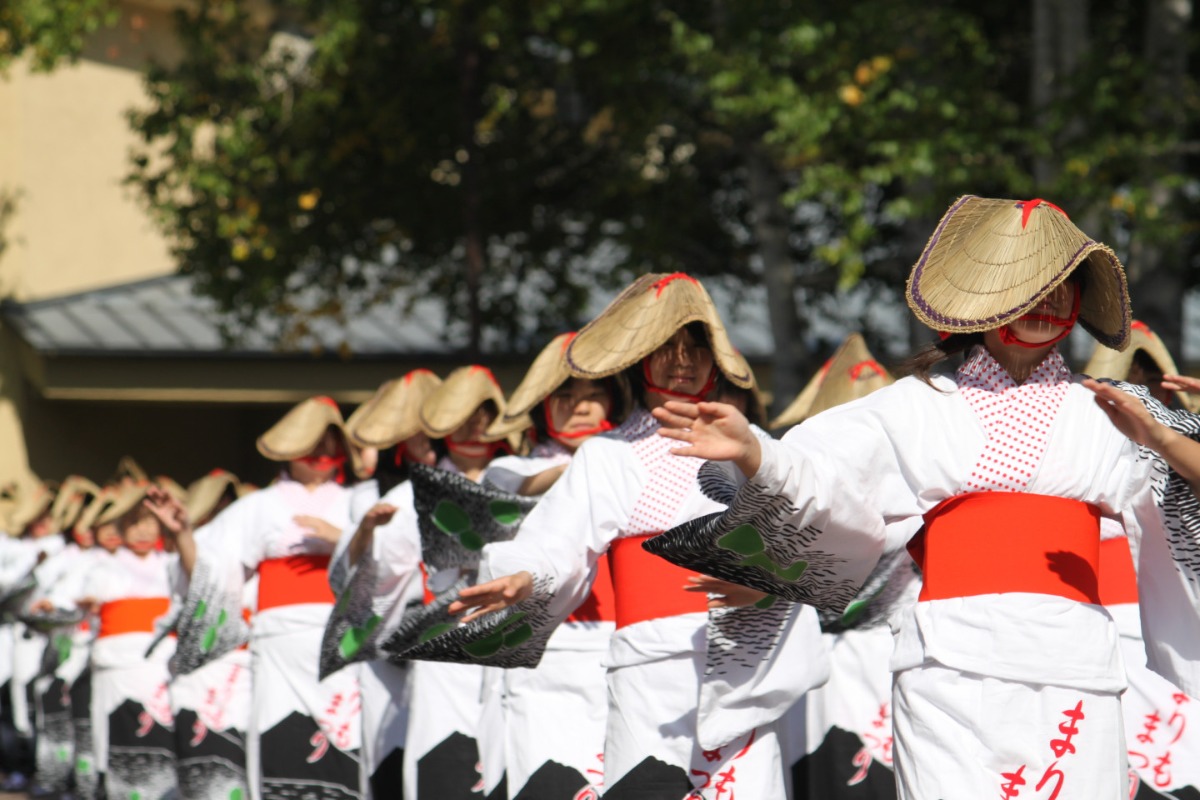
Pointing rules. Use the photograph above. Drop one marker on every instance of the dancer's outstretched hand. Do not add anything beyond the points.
(492, 596)
(712, 431)
(1181, 383)
(723, 594)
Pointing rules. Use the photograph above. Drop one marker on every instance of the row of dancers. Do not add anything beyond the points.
(614, 582)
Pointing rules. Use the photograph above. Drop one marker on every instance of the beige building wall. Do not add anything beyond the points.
(67, 222)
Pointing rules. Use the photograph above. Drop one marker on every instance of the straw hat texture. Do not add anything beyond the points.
(393, 413)
(1108, 363)
(125, 498)
(547, 372)
(644, 317)
(31, 505)
(129, 468)
(205, 492)
(991, 261)
(850, 373)
(450, 405)
(74, 494)
(301, 428)
(90, 516)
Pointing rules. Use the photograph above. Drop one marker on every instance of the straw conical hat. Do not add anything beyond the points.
(1108, 363)
(125, 498)
(991, 261)
(96, 506)
(393, 413)
(301, 428)
(204, 493)
(547, 372)
(172, 487)
(450, 405)
(641, 319)
(850, 373)
(75, 493)
(31, 506)
(129, 468)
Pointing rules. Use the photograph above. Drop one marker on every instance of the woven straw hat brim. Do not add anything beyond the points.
(125, 500)
(204, 493)
(450, 405)
(1115, 364)
(71, 498)
(797, 410)
(301, 428)
(641, 319)
(986, 265)
(547, 372)
(852, 372)
(96, 507)
(393, 413)
(128, 467)
(33, 506)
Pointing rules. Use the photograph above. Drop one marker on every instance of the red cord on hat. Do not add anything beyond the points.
(661, 284)
(1027, 207)
(871, 364)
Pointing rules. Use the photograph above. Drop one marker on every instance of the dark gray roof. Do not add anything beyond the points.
(163, 316)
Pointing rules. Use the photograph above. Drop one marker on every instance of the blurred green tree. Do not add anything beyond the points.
(49, 33)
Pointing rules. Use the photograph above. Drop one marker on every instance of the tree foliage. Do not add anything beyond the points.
(510, 158)
(49, 33)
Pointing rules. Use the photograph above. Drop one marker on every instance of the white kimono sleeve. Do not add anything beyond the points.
(209, 620)
(811, 524)
(374, 593)
(558, 543)
(1164, 527)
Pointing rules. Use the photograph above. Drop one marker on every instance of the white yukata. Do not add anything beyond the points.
(396, 556)
(1162, 724)
(60, 581)
(441, 755)
(28, 646)
(1010, 694)
(131, 713)
(304, 734)
(75, 670)
(839, 736)
(543, 728)
(212, 703)
(688, 715)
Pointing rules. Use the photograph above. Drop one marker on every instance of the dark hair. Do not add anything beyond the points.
(921, 364)
(1150, 367)
(637, 381)
(440, 449)
(389, 474)
(619, 393)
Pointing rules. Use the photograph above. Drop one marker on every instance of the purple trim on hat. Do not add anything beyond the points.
(952, 324)
(933, 240)
(997, 317)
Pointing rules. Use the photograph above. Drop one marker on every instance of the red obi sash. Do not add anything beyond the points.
(293, 580)
(646, 586)
(1118, 578)
(999, 542)
(600, 604)
(131, 615)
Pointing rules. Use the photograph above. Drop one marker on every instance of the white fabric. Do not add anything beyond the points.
(897, 453)
(396, 549)
(285, 640)
(597, 500)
